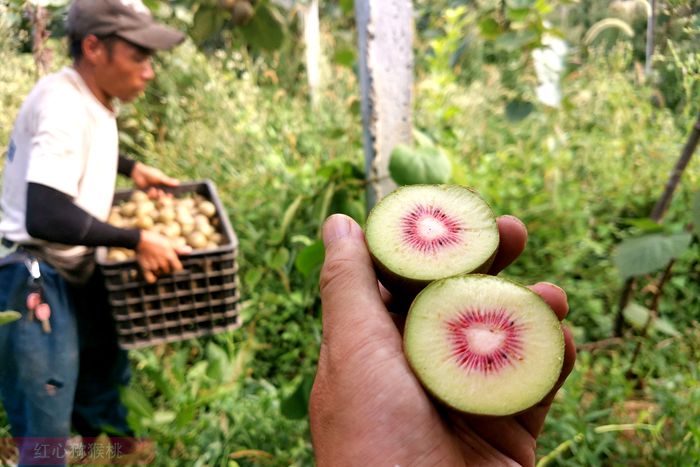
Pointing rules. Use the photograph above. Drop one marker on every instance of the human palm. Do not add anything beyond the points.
(367, 408)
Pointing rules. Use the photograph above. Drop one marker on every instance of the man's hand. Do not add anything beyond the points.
(156, 256)
(145, 176)
(367, 407)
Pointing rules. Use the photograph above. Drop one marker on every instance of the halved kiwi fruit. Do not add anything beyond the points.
(421, 233)
(484, 345)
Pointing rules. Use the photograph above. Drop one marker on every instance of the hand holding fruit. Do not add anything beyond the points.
(190, 222)
(145, 176)
(367, 406)
(156, 255)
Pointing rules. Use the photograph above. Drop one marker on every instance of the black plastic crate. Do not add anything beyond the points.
(201, 300)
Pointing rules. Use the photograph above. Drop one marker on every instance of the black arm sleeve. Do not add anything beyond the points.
(125, 166)
(52, 216)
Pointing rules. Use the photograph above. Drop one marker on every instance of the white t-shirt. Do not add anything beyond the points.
(66, 139)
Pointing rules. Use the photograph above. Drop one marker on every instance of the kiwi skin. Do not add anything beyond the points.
(485, 415)
(408, 288)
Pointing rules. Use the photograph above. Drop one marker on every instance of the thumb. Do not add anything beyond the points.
(183, 250)
(170, 181)
(352, 305)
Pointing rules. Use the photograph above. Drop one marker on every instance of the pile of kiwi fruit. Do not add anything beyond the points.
(188, 220)
(481, 344)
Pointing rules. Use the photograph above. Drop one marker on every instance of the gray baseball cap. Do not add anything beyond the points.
(129, 19)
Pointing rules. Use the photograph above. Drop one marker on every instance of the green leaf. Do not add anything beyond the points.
(296, 406)
(310, 258)
(277, 259)
(636, 315)
(517, 14)
(409, 166)
(163, 417)
(185, 415)
(354, 208)
(347, 6)
(666, 327)
(162, 383)
(287, 219)
(422, 139)
(517, 110)
(545, 6)
(9, 316)
(197, 372)
(345, 57)
(207, 21)
(646, 225)
(219, 364)
(512, 41)
(355, 107)
(325, 204)
(151, 4)
(695, 219)
(489, 28)
(264, 31)
(137, 402)
(642, 255)
(252, 277)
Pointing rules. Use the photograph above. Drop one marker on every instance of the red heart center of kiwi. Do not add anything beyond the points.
(485, 341)
(427, 229)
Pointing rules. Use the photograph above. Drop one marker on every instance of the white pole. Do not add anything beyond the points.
(385, 39)
(651, 23)
(312, 41)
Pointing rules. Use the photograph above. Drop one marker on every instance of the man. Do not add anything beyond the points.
(58, 187)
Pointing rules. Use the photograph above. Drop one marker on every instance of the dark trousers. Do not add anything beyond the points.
(70, 376)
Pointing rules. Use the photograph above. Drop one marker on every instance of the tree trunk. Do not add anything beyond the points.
(658, 212)
(675, 177)
(385, 38)
(43, 56)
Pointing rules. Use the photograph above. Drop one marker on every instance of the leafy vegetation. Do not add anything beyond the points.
(583, 176)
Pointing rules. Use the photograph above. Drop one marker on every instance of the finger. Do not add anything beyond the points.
(163, 179)
(183, 250)
(149, 276)
(352, 305)
(175, 264)
(513, 237)
(170, 181)
(554, 296)
(503, 433)
(533, 419)
(155, 193)
(165, 267)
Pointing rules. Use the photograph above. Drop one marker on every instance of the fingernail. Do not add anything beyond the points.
(551, 286)
(337, 226)
(516, 219)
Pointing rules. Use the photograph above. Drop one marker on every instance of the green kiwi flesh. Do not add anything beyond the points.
(484, 345)
(420, 233)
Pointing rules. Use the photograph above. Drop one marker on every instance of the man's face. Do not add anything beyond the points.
(124, 70)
